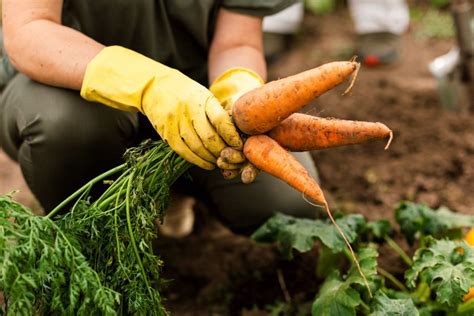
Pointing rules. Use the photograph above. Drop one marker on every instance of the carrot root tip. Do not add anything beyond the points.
(389, 140)
(354, 76)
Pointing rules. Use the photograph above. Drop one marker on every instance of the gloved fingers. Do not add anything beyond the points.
(191, 138)
(206, 132)
(248, 173)
(232, 155)
(171, 135)
(222, 122)
(228, 166)
(230, 174)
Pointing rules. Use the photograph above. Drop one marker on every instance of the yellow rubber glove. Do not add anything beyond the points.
(183, 112)
(234, 83)
(228, 88)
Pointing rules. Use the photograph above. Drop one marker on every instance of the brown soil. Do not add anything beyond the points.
(431, 160)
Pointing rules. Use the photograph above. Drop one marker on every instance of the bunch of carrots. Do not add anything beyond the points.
(268, 116)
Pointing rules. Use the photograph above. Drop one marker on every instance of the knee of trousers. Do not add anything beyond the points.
(244, 207)
(59, 120)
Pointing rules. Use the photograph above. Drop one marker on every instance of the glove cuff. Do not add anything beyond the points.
(234, 83)
(119, 77)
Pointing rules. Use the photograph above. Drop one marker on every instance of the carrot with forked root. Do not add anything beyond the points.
(263, 108)
(302, 132)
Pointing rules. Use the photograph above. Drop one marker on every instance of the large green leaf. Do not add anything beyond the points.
(448, 268)
(416, 219)
(339, 295)
(383, 305)
(300, 234)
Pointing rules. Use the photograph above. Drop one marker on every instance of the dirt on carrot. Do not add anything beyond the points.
(302, 132)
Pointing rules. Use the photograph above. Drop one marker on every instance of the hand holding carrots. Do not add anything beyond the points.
(259, 108)
(228, 88)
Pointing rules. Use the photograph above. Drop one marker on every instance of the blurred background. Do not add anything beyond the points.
(416, 78)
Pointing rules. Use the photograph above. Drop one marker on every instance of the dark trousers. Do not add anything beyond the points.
(62, 141)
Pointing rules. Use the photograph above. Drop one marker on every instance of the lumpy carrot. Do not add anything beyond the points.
(302, 132)
(263, 108)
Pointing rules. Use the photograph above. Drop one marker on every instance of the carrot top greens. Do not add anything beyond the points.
(97, 258)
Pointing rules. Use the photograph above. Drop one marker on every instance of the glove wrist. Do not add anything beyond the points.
(234, 83)
(119, 77)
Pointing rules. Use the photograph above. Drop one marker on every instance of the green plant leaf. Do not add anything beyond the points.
(382, 305)
(448, 268)
(336, 297)
(340, 295)
(376, 230)
(415, 219)
(300, 234)
(465, 309)
(328, 260)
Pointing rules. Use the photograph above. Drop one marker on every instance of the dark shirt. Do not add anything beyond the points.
(174, 32)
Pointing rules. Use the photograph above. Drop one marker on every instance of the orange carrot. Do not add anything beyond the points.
(267, 155)
(302, 132)
(263, 108)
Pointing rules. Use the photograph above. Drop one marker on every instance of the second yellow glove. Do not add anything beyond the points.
(228, 88)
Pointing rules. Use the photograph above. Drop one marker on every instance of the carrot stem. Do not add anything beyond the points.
(130, 232)
(85, 187)
(392, 279)
(392, 244)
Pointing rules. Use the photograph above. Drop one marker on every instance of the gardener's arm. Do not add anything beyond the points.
(237, 42)
(43, 49)
(39, 46)
(183, 112)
